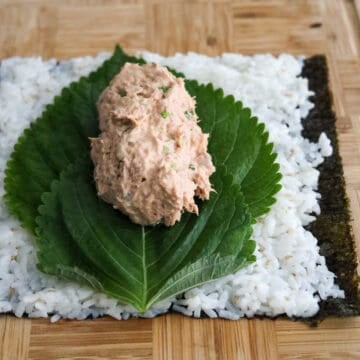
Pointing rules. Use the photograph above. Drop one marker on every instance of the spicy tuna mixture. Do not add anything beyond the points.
(151, 156)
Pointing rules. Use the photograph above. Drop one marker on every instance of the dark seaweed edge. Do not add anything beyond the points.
(332, 227)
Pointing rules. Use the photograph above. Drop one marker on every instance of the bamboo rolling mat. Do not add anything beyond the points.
(70, 28)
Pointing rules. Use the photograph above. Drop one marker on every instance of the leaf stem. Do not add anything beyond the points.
(144, 268)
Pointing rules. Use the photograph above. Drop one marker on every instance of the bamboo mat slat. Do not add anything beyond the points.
(68, 28)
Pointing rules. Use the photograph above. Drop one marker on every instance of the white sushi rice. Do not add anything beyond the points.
(289, 276)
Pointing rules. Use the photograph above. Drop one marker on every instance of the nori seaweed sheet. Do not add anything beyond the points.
(332, 227)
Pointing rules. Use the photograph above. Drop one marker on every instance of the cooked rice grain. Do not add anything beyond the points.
(289, 276)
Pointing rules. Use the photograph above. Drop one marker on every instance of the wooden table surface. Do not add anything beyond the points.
(70, 28)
